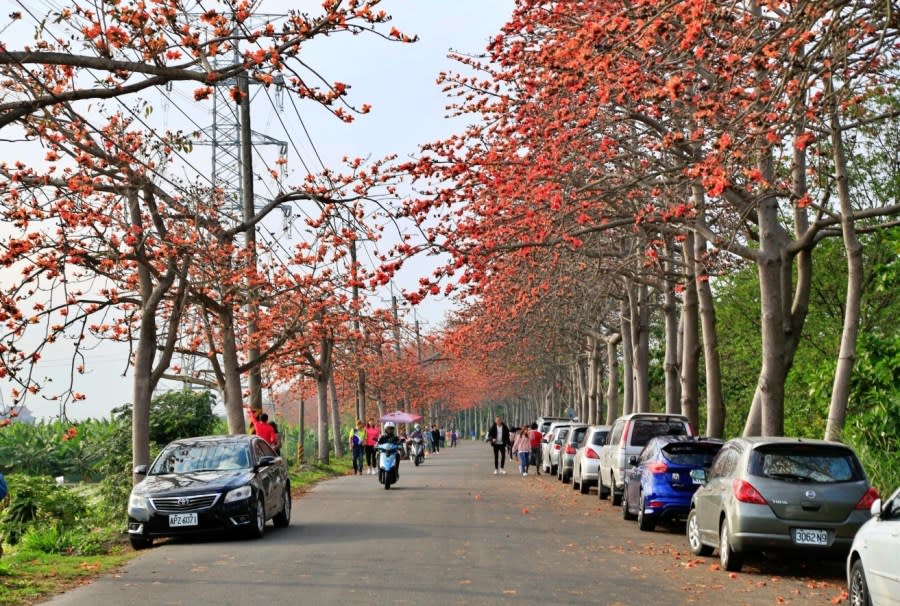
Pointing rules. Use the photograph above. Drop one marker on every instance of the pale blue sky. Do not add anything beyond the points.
(397, 80)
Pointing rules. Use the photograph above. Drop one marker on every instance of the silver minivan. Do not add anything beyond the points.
(628, 436)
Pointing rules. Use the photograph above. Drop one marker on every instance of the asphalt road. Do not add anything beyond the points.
(451, 532)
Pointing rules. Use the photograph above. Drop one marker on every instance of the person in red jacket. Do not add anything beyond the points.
(535, 436)
(262, 428)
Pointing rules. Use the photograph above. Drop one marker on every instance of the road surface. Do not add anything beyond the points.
(451, 532)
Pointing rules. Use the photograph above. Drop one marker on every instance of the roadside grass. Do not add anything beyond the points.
(307, 475)
(28, 576)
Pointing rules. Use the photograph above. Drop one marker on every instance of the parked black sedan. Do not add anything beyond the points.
(210, 484)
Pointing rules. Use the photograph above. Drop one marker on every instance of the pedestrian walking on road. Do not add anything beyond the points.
(436, 438)
(498, 436)
(536, 437)
(358, 447)
(522, 449)
(372, 434)
(429, 440)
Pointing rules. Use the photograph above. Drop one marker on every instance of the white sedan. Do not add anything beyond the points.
(873, 566)
(587, 458)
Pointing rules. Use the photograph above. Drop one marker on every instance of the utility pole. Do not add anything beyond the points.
(396, 326)
(233, 143)
(357, 327)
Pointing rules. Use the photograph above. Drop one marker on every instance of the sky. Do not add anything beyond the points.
(397, 80)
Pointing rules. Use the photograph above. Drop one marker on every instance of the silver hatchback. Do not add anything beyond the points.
(567, 451)
(587, 458)
(776, 494)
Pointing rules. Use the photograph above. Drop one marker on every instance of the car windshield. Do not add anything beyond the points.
(599, 438)
(645, 429)
(694, 454)
(805, 464)
(205, 456)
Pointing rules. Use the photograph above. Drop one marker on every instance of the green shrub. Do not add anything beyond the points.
(56, 538)
(39, 501)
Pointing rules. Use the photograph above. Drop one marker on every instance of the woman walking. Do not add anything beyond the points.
(522, 448)
(372, 433)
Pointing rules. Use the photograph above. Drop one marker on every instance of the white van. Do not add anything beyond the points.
(627, 437)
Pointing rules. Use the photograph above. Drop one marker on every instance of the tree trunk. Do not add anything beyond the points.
(142, 393)
(690, 362)
(335, 418)
(593, 380)
(146, 377)
(640, 340)
(671, 365)
(715, 401)
(322, 450)
(612, 389)
(840, 392)
(772, 312)
(627, 360)
(234, 404)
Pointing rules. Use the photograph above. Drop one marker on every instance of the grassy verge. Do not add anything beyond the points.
(28, 576)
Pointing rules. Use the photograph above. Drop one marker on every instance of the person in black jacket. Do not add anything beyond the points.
(498, 436)
(436, 438)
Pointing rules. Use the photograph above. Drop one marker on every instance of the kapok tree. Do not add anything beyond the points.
(721, 106)
(131, 45)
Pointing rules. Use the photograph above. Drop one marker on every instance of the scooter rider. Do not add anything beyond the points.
(389, 435)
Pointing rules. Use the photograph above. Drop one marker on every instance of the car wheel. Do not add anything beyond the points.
(859, 590)
(584, 486)
(602, 492)
(139, 542)
(728, 558)
(693, 536)
(616, 496)
(626, 515)
(575, 483)
(259, 520)
(283, 517)
(645, 522)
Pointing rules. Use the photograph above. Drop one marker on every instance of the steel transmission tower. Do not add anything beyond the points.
(224, 136)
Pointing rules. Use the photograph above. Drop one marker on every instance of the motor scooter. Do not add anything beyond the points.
(417, 451)
(388, 459)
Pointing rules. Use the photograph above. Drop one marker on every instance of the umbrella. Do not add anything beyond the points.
(398, 416)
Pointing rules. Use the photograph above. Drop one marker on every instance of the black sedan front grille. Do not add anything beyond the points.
(180, 504)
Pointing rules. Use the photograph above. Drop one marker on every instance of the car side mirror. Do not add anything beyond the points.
(875, 509)
(698, 476)
(632, 460)
(266, 461)
(140, 470)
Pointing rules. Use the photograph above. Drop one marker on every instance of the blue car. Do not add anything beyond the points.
(659, 485)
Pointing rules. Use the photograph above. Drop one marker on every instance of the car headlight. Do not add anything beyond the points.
(139, 507)
(238, 494)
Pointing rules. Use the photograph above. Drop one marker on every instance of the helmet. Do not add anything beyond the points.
(389, 425)
(417, 427)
